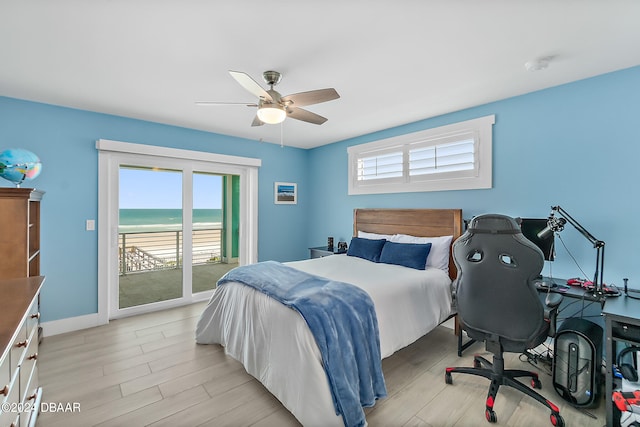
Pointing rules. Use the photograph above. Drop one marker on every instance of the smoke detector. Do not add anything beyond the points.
(538, 64)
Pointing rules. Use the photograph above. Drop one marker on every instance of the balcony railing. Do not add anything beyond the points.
(162, 250)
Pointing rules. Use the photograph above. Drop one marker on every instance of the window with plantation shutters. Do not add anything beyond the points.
(380, 165)
(432, 157)
(452, 157)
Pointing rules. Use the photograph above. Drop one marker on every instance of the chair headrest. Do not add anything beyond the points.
(493, 224)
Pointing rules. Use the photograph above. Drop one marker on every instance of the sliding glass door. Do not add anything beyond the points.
(177, 233)
(163, 253)
(156, 241)
(213, 236)
(170, 223)
(150, 236)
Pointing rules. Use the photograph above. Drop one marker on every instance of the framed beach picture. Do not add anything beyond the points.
(286, 193)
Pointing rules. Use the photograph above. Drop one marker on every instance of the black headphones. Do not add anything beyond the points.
(627, 370)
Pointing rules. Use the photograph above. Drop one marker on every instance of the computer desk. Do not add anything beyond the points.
(577, 302)
(569, 291)
(622, 324)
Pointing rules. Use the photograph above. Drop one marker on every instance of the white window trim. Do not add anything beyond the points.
(480, 127)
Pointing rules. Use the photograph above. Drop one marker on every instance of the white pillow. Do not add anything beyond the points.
(374, 236)
(440, 249)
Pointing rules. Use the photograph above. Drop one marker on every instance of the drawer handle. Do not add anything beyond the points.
(22, 343)
(35, 316)
(34, 356)
(5, 390)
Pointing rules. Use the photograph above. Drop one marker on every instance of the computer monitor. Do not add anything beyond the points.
(530, 228)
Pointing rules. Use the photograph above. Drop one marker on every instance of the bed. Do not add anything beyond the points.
(274, 342)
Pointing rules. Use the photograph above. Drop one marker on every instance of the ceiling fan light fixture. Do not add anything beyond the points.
(271, 114)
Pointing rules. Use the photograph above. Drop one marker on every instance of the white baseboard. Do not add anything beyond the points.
(70, 324)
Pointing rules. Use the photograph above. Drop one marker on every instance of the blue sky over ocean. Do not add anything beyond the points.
(162, 189)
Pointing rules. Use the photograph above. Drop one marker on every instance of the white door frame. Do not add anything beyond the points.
(111, 155)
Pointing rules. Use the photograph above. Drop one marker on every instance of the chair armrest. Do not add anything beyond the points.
(552, 302)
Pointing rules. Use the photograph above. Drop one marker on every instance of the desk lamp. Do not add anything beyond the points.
(556, 224)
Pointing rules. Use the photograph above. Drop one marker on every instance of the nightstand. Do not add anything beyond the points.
(321, 251)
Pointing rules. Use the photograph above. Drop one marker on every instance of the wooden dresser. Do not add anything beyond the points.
(19, 232)
(20, 284)
(20, 391)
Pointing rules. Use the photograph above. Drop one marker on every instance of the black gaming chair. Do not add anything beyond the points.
(498, 303)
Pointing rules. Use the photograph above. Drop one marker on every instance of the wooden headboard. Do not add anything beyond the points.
(415, 222)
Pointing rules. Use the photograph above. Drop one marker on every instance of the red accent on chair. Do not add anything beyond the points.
(490, 402)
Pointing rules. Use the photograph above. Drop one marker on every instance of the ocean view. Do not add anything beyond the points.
(146, 220)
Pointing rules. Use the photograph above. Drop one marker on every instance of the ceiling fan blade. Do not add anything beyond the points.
(214, 103)
(251, 85)
(256, 121)
(312, 97)
(305, 116)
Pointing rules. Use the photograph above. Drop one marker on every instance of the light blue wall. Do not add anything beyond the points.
(575, 145)
(64, 139)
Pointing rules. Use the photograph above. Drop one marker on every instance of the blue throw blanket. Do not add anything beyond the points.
(343, 322)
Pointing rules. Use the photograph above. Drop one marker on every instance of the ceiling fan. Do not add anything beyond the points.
(274, 108)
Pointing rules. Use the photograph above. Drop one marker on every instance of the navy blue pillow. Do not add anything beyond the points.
(366, 248)
(412, 255)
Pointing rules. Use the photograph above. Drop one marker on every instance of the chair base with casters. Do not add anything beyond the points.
(499, 376)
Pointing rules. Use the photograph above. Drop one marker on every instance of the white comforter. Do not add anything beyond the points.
(275, 345)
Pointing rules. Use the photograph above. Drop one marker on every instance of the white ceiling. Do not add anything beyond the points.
(392, 62)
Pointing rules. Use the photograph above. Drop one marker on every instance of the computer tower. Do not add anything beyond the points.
(577, 361)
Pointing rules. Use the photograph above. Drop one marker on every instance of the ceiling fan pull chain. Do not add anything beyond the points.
(281, 134)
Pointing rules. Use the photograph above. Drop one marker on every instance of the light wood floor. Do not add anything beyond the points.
(148, 371)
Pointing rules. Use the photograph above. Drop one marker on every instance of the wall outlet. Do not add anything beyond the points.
(91, 225)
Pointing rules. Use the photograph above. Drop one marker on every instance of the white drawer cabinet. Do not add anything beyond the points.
(8, 392)
(5, 375)
(20, 392)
